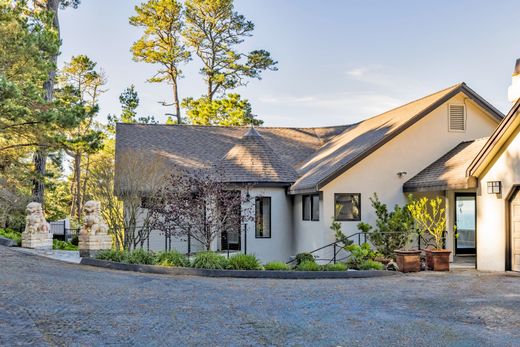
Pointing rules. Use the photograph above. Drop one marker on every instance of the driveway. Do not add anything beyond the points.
(46, 302)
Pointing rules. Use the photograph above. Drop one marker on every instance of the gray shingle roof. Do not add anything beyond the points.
(359, 140)
(201, 147)
(449, 171)
(252, 160)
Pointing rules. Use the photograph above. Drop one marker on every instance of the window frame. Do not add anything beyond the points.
(358, 219)
(261, 198)
(311, 217)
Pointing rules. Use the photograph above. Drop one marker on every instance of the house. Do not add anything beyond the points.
(301, 179)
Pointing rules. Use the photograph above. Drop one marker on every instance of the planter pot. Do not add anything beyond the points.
(429, 259)
(440, 259)
(408, 261)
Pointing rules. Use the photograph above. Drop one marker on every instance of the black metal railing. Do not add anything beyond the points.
(340, 245)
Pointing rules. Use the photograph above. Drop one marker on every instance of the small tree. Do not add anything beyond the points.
(430, 217)
(393, 228)
(197, 204)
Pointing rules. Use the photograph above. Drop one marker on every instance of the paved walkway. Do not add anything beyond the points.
(46, 302)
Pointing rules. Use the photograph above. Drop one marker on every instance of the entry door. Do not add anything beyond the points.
(465, 220)
(515, 232)
(230, 236)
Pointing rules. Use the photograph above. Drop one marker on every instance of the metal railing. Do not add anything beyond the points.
(339, 245)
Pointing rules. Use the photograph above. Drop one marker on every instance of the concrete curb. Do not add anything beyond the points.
(7, 242)
(235, 273)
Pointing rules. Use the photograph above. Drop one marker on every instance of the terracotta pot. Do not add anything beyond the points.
(408, 261)
(440, 259)
(429, 259)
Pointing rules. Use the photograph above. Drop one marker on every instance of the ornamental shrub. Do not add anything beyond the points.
(301, 257)
(63, 245)
(308, 265)
(277, 266)
(371, 265)
(359, 254)
(11, 234)
(172, 258)
(111, 255)
(140, 256)
(244, 262)
(335, 267)
(209, 260)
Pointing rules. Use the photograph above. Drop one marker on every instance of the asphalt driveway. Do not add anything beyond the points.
(46, 302)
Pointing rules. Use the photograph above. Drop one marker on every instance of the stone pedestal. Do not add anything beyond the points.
(37, 240)
(89, 244)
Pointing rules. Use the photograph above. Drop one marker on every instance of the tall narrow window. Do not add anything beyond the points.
(263, 217)
(311, 207)
(347, 206)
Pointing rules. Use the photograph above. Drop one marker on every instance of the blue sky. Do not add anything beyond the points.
(339, 60)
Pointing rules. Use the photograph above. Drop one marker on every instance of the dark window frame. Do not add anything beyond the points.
(263, 212)
(311, 216)
(349, 219)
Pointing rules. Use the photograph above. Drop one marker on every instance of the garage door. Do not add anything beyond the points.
(515, 232)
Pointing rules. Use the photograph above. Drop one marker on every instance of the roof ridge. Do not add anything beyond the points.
(236, 126)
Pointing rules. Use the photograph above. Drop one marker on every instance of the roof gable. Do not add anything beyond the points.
(360, 140)
(495, 142)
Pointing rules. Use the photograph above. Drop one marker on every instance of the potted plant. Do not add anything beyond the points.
(430, 218)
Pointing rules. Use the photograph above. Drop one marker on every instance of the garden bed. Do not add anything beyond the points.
(156, 269)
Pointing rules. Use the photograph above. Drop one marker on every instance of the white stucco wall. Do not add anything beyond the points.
(411, 151)
(491, 208)
(280, 245)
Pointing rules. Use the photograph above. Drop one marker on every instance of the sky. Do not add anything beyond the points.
(339, 61)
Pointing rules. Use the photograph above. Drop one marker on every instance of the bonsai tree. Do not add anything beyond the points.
(392, 230)
(430, 218)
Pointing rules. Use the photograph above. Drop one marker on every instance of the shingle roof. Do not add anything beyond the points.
(359, 140)
(200, 147)
(449, 171)
(252, 160)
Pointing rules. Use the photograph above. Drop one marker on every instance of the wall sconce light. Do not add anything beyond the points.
(494, 187)
(401, 174)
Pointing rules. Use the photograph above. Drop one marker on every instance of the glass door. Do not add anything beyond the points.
(465, 220)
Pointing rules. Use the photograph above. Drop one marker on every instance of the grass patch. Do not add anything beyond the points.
(308, 265)
(209, 260)
(244, 262)
(277, 266)
(371, 265)
(172, 258)
(67, 246)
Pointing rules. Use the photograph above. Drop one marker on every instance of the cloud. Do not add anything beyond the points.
(358, 72)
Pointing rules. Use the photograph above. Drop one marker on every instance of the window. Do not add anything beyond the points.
(347, 206)
(263, 217)
(457, 117)
(311, 207)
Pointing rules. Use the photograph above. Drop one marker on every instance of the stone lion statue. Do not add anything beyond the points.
(93, 223)
(35, 221)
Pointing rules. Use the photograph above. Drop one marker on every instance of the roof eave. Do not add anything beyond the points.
(463, 183)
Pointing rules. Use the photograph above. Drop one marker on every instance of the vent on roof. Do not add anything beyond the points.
(457, 118)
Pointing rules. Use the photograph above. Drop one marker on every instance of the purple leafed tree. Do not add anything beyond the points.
(198, 204)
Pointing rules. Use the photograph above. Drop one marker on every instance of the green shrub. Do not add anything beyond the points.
(209, 260)
(371, 265)
(13, 235)
(335, 267)
(277, 266)
(140, 256)
(67, 246)
(112, 255)
(244, 262)
(172, 258)
(308, 265)
(301, 257)
(74, 239)
(359, 254)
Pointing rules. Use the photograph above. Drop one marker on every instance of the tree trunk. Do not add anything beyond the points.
(40, 164)
(40, 156)
(176, 101)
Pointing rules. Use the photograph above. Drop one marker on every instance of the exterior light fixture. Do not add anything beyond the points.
(401, 174)
(494, 187)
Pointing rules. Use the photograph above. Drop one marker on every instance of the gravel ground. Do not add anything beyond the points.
(47, 302)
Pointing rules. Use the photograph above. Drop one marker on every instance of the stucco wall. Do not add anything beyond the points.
(280, 245)
(411, 151)
(491, 208)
